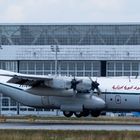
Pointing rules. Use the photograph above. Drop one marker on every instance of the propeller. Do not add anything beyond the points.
(74, 83)
(95, 85)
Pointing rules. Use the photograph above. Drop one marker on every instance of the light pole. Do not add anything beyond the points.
(18, 104)
(0, 104)
(0, 93)
(56, 50)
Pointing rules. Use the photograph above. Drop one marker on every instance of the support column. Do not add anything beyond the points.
(103, 68)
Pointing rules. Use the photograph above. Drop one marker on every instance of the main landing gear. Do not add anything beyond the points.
(67, 113)
(82, 114)
(95, 113)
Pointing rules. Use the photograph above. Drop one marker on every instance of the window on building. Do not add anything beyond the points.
(5, 102)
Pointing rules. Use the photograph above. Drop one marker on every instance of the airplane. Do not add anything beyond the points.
(79, 96)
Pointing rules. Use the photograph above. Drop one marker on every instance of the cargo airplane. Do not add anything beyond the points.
(80, 96)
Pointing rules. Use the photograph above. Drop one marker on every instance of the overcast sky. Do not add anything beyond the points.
(69, 11)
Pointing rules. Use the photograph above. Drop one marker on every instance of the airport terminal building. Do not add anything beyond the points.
(78, 50)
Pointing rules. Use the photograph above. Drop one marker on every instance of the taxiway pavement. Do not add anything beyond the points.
(65, 126)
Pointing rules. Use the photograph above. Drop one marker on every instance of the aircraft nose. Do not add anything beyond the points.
(99, 102)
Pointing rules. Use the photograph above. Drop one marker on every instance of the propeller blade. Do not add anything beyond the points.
(95, 85)
(74, 83)
(99, 91)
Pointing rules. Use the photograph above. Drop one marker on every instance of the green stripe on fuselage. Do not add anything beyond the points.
(11, 86)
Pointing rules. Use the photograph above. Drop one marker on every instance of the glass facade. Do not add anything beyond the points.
(74, 68)
(9, 65)
(66, 34)
(123, 68)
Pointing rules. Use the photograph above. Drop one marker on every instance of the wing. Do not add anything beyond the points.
(24, 79)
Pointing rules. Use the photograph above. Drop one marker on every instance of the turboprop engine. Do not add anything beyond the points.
(76, 84)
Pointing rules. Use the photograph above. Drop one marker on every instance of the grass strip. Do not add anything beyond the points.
(119, 119)
(67, 135)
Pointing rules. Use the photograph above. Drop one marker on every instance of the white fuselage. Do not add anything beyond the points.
(118, 93)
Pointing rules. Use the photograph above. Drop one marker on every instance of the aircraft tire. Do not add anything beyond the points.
(67, 113)
(78, 114)
(85, 113)
(95, 113)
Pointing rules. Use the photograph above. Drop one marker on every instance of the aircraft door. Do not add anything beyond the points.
(45, 100)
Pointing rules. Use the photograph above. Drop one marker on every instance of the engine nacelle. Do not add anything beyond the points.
(84, 86)
(65, 83)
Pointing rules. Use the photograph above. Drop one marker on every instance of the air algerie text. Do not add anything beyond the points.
(125, 87)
